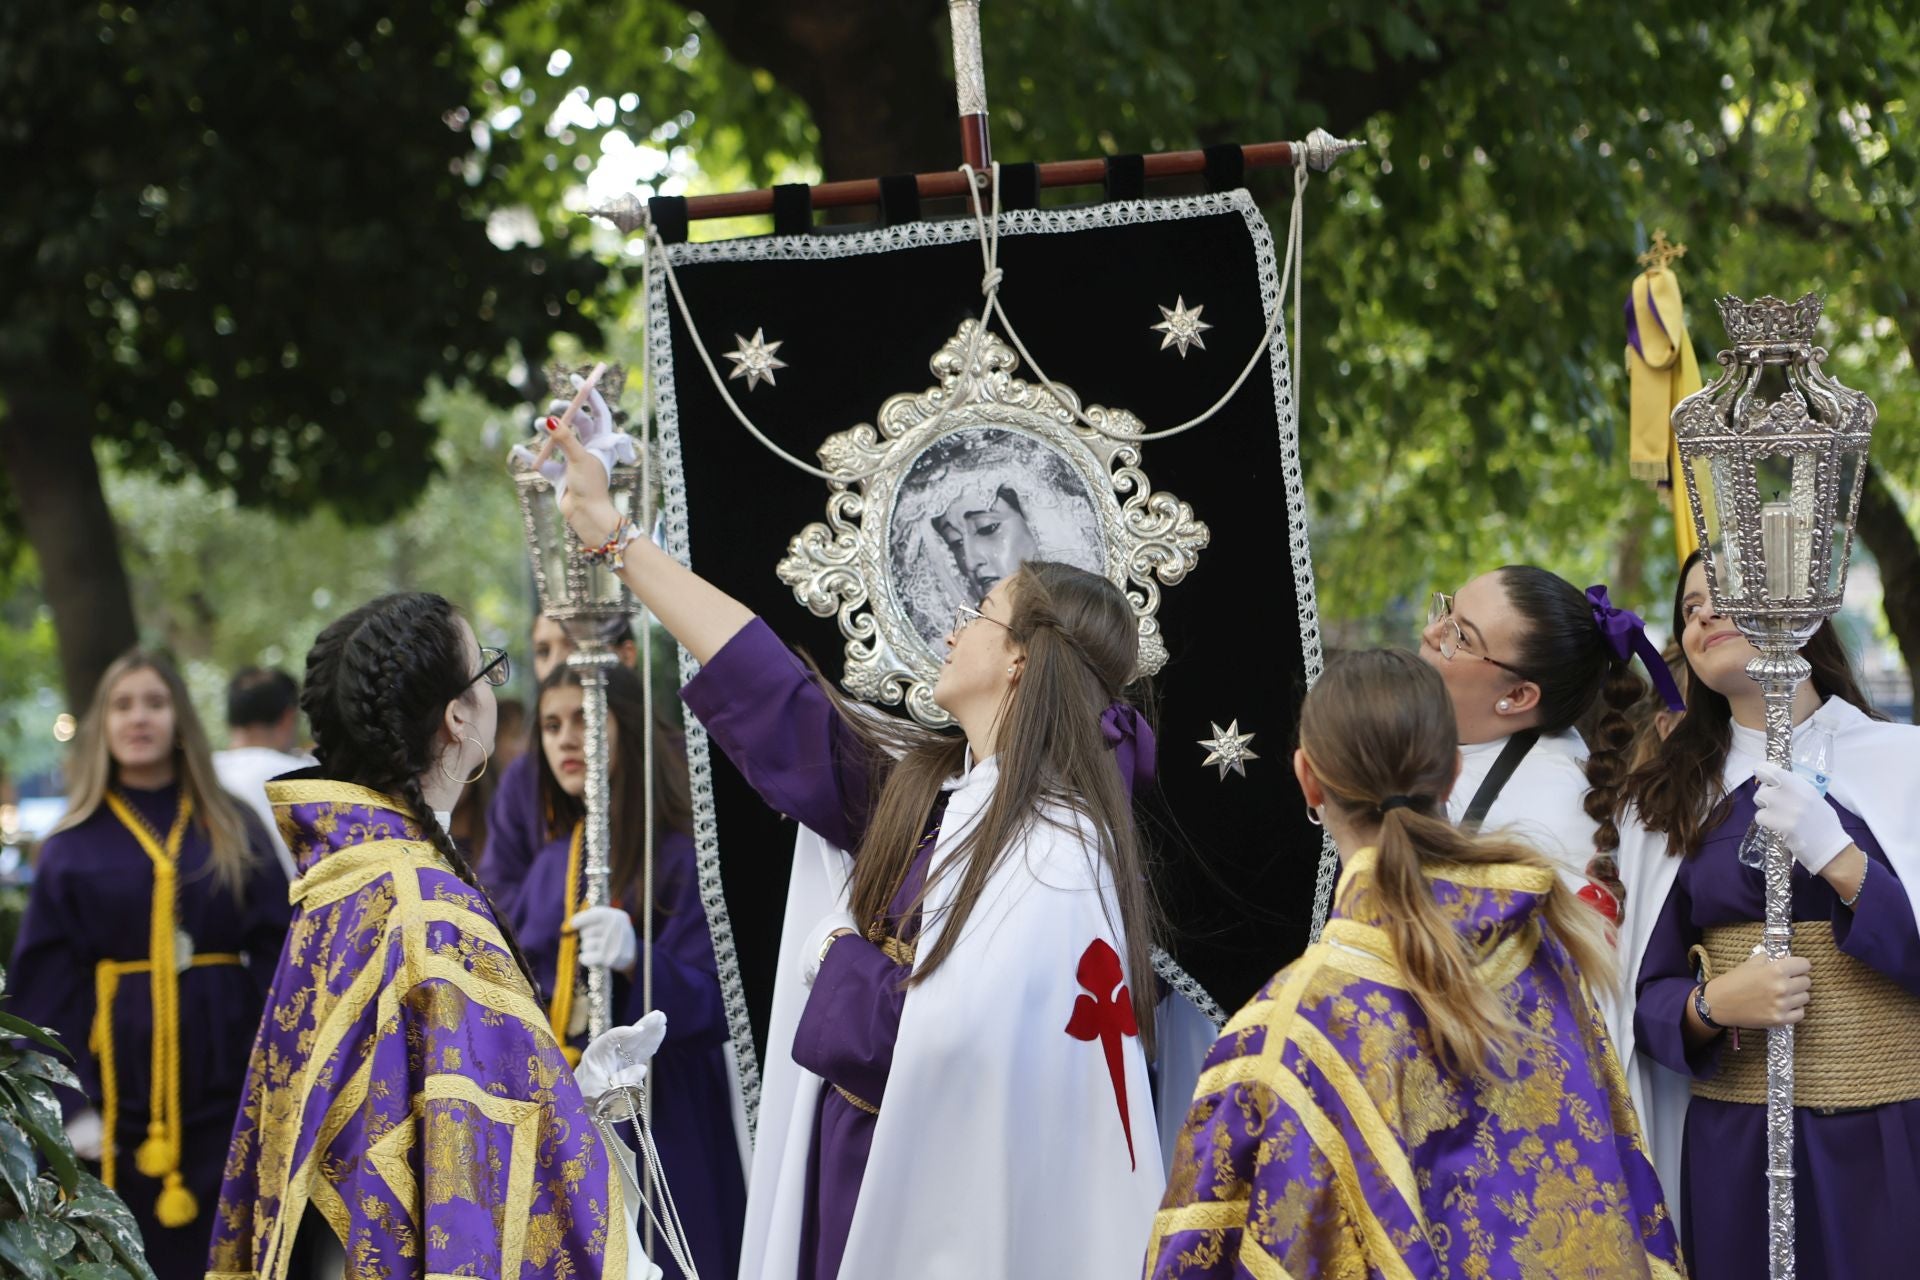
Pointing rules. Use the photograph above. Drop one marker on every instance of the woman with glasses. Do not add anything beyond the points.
(969, 1006)
(1527, 657)
(157, 911)
(408, 1106)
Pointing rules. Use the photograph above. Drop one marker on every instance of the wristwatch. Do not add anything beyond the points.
(832, 938)
(1700, 1007)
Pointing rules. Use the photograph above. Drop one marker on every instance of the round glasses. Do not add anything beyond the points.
(965, 616)
(495, 668)
(1453, 640)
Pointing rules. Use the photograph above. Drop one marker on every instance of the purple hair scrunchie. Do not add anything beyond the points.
(1626, 635)
(1131, 738)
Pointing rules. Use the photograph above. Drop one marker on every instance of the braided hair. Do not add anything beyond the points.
(376, 692)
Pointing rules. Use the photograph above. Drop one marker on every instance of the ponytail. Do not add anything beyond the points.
(1379, 735)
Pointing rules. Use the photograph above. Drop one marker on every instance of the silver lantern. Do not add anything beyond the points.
(1775, 456)
(590, 601)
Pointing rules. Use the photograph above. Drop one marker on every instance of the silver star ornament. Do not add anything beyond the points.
(1182, 327)
(1227, 749)
(754, 360)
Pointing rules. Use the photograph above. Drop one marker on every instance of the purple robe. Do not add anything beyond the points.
(1324, 1139)
(779, 728)
(92, 900)
(1858, 1172)
(405, 1086)
(516, 829)
(692, 1090)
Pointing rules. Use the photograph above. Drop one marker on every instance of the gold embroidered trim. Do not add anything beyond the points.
(524, 1119)
(327, 791)
(1507, 876)
(1386, 1148)
(345, 873)
(1204, 1215)
(1381, 1251)
(1260, 1264)
(858, 1102)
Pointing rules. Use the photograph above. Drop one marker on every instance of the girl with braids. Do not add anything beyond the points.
(157, 912)
(1699, 1000)
(971, 1097)
(1526, 657)
(692, 1116)
(1429, 1091)
(407, 1107)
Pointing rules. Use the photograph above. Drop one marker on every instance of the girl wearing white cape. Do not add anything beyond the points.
(1697, 1001)
(978, 1101)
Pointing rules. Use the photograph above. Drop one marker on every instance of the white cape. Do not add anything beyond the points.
(1875, 775)
(999, 1149)
(1543, 803)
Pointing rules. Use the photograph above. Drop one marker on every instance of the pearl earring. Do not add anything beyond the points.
(1505, 705)
(1009, 670)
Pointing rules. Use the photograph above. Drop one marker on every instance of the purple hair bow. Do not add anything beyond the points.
(1131, 738)
(1626, 635)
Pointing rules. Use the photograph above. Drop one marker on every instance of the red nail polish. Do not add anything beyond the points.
(552, 424)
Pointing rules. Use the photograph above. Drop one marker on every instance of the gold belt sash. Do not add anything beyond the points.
(1859, 1045)
(106, 980)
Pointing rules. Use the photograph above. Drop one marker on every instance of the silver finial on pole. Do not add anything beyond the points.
(1321, 149)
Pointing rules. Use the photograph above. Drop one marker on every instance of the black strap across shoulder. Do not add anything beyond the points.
(1510, 757)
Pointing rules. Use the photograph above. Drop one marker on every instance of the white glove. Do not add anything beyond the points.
(618, 1058)
(85, 1135)
(607, 938)
(1791, 808)
(816, 941)
(594, 425)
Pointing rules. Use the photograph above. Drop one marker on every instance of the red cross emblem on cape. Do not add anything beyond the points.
(1106, 1016)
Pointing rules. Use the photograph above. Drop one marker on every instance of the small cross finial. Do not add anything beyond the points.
(1663, 254)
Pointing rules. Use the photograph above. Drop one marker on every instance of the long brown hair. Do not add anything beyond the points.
(94, 771)
(1680, 791)
(1379, 724)
(635, 752)
(1082, 650)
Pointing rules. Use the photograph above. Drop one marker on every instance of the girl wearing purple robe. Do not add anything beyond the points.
(407, 1111)
(1429, 1091)
(692, 1093)
(1699, 1000)
(975, 1099)
(157, 913)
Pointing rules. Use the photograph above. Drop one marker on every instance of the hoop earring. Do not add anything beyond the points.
(467, 782)
(1313, 816)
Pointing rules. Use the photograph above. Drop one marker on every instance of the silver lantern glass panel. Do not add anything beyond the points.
(1775, 454)
(587, 597)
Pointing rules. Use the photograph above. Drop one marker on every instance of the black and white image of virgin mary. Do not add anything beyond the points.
(972, 506)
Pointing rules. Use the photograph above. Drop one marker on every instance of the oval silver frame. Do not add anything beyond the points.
(842, 565)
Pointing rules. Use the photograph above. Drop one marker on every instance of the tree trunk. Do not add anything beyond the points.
(47, 451)
(872, 73)
(1883, 529)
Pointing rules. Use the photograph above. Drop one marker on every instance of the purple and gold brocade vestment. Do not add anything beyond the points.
(404, 1085)
(1326, 1140)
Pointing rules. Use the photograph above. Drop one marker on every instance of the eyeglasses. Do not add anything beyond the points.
(495, 668)
(1453, 640)
(964, 617)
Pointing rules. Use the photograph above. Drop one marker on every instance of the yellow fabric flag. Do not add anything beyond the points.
(1661, 372)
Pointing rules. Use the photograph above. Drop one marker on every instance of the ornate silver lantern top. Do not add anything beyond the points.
(1775, 454)
(583, 595)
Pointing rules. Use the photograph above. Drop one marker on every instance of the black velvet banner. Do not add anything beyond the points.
(858, 315)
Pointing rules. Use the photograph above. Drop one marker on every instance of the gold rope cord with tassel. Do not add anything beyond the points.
(1661, 371)
(159, 1156)
(567, 970)
(106, 988)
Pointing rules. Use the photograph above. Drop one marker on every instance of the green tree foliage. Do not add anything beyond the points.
(250, 236)
(1463, 372)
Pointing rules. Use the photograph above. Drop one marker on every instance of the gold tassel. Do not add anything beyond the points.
(566, 969)
(176, 1206)
(159, 1156)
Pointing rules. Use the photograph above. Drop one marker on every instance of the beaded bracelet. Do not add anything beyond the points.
(1865, 866)
(613, 550)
